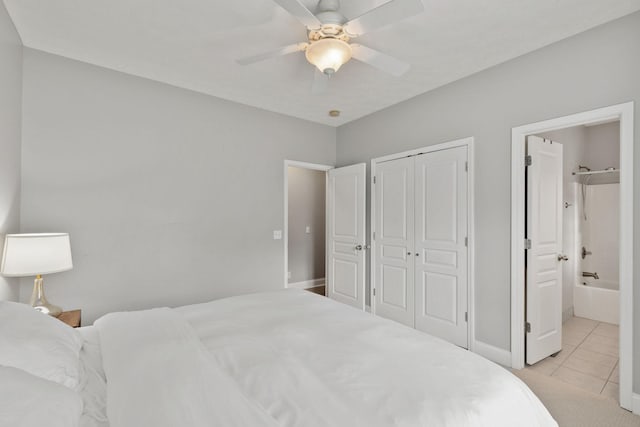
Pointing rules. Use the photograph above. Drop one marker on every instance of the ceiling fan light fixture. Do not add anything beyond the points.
(328, 54)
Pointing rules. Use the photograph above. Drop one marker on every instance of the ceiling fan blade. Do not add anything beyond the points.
(388, 13)
(379, 60)
(272, 54)
(300, 11)
(320, 83)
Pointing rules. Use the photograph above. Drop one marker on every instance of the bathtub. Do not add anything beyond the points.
(598, 300)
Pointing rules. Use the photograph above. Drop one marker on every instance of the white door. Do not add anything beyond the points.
(543, 262)
(346, 235)
(441, 189)
(394, 240)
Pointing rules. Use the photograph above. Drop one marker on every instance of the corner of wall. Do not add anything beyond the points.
(11, 77)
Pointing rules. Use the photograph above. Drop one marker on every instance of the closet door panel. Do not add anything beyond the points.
(440, 232)
(394, 209)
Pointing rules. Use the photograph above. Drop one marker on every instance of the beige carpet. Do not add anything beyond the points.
(574, 407)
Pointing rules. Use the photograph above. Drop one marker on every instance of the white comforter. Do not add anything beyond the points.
(293, 358)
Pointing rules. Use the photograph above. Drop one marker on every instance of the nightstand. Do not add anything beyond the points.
(71, 318)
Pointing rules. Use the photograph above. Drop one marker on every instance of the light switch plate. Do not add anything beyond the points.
(277, 234)
(308, 229)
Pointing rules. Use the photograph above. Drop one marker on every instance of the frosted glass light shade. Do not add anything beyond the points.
(33, 254)
(328, 55)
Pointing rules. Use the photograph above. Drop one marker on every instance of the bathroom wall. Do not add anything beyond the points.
(600, 231)
(602, 146)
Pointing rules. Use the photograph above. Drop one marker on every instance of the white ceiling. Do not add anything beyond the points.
(194, 44)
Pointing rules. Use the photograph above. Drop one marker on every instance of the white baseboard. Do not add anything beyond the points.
(495, 354)
(635, 403)
(306, 284)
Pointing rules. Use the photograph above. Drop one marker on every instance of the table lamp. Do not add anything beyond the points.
(34, 255)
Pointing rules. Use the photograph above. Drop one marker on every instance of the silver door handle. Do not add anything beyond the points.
(562, 257)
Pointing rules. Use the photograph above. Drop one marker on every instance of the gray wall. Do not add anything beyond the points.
(306, 208)
(591, 70)
(170, 196)
(10, 127)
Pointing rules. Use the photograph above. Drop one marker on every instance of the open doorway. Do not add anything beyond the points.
(585, 216)
(553, 279)
(304, 225)
(344, 231)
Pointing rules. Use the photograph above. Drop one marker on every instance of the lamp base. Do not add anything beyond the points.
(39, 301)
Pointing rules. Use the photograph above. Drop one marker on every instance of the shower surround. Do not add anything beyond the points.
(598, 299)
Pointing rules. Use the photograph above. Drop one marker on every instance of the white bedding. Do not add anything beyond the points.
(159, 374)
(293, 358)
(92, 387)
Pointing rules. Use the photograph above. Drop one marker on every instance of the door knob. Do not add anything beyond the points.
(358, 248)
(562, 257)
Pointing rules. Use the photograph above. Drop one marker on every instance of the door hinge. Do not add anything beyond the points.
(527, 327)
(466, 316)
(466, 242)
(466, 166)
(374, 235)
(527, 243)
(528, 161)
(374, 292)
(374, 179)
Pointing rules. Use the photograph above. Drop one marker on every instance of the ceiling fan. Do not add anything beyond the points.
(329, 34)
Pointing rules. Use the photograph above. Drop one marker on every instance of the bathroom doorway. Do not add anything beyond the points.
(580, 330)
(587, 348)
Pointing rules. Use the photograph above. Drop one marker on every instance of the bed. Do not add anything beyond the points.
(287, 358)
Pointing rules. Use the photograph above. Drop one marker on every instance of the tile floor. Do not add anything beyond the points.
(589, 357)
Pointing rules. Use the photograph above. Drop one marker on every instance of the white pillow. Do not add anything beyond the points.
(29, 401)
(39, 344)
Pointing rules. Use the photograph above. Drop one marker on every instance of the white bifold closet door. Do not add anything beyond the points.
(394, 240)
(440, 242)
(421, 242)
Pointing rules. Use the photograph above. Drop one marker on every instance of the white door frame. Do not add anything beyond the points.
(302, 165)
(465, 142)
(624, 113)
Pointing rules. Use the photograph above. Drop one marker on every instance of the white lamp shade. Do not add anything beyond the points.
(32, 254)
